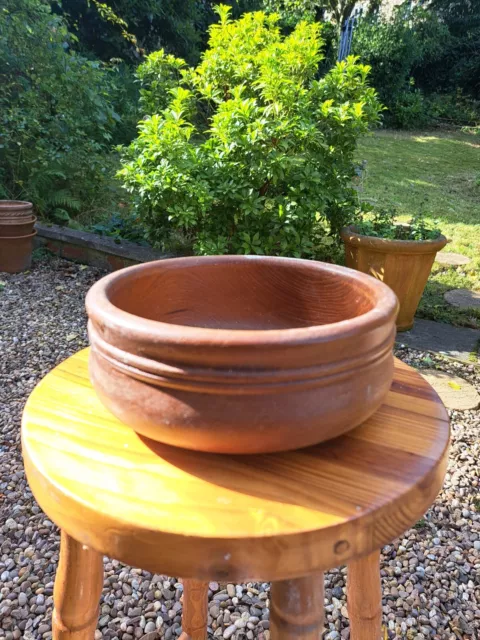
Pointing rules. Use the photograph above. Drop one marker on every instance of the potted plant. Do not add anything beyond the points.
(401, 255)
(16, 235)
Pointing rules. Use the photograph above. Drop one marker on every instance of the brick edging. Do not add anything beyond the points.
(92, 249)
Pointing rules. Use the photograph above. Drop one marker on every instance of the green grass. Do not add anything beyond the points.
(438, 173)
(421, 524)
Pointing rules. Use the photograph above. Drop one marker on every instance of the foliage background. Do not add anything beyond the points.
(60, 113)
(251, 151)
(425, 62)
(71, 92)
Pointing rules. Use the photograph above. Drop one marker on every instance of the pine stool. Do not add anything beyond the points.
(284, 518)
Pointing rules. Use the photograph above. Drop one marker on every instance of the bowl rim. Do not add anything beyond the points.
(101, 309)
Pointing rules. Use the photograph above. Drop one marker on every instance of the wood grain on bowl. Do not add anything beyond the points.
(241, 354)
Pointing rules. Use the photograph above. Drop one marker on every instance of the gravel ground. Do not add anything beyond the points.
(431, 576)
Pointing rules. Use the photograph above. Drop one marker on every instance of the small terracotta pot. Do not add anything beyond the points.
(241, 354)
(16, 253)
(16, 227)
(15, 209)
(404, 265)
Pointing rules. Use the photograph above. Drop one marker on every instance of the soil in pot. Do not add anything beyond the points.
(16, 253)
(404, 265)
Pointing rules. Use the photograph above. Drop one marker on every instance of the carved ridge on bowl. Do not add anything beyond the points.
(246, 381)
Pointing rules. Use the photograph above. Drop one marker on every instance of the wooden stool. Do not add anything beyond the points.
(283, 517)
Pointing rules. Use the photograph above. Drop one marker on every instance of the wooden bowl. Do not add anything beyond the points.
(241, 354)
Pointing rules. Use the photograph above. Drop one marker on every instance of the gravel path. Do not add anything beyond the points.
(431, 576)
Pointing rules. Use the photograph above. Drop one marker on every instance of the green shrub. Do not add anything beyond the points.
(292, 12)
(120, 226)
(58, 120)
(158, 76)
(396, 48)
(454, 108)
(130, 29)
(127, 28)
(249, 152)
(410, 110)
(458, 66)
(425, 62)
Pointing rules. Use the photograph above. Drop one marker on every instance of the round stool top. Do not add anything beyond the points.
(210, 516)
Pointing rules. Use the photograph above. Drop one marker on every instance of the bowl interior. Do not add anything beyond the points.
(241, 294)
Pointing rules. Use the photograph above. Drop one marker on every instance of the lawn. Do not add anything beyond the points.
(438, 173)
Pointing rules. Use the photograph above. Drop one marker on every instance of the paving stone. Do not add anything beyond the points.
(452, 259)
(457, 342)
(463, 298)
(456, 393)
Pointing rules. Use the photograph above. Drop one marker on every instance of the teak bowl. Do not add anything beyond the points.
(241, 354)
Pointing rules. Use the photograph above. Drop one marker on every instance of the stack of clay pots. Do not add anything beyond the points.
(16, 235)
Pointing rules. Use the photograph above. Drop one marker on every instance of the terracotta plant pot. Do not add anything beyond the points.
(241, 354)
(404, 265)
(16, 253)
(15, 209)
(15, 227)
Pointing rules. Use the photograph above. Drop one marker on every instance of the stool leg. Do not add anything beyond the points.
(78, 587)
(364, 598)
(297, 608)
(195, 610)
